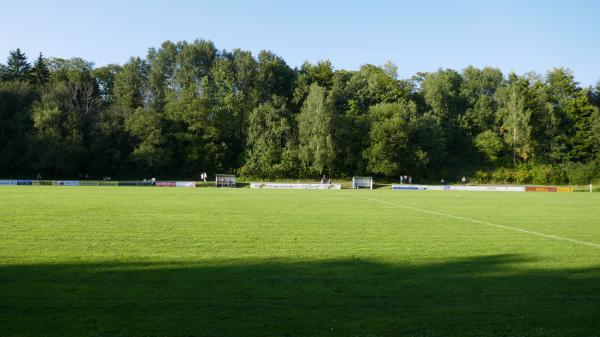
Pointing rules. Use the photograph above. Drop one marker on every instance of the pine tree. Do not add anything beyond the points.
(39, 74)
(17, 67)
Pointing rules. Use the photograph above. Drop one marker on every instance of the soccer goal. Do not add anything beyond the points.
(225, 180)
(364, 182)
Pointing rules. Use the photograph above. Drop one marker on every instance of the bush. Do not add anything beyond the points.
(481, 177)
(502, 176)
(579, 173)
(522, 175)
(572, 173)
(546, 175)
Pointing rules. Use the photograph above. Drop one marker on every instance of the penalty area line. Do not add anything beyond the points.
(514, 229)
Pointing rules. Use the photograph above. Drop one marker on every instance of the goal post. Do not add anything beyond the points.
(362, 182)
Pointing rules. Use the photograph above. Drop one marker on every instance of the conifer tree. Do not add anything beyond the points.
(39, 74)
(17, 67)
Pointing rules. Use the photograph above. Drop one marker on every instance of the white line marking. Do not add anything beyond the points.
(515, 229)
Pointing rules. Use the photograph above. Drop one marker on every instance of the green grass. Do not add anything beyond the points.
(102, 261)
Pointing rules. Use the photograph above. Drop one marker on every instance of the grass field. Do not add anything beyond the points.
(100, 261)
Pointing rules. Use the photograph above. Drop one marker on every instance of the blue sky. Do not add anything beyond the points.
(516, 36)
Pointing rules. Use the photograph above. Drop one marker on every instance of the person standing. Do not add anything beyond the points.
(401, 179)
(410, 179)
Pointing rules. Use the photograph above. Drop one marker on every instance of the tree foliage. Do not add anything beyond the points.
(188, 107)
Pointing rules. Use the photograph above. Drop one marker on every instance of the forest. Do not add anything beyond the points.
(188, 107)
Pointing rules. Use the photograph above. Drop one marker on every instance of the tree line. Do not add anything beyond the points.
(188, 107)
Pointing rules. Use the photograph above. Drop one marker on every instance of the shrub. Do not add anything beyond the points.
(522, 175)
(545, 175)
(580, 173)
(503, 175)
(481, 177)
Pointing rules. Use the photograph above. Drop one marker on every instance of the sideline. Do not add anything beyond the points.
(514, 229)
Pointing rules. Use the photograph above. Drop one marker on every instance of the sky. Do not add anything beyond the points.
(519, 36)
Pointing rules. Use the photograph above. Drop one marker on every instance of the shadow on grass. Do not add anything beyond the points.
(482, 296)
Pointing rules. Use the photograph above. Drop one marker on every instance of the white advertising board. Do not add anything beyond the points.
(459, 188)
(487, 188)
(297, 186)
(419, 187)
(185, 184)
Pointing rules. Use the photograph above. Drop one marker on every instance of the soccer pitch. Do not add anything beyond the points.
(102, 261)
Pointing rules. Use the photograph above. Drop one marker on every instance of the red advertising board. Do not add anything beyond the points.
(540, 189)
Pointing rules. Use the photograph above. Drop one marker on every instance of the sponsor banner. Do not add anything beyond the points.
(63, 183)
(108, 183)
(165, 184)
(88, 183)
(25, 182)
(297, 186)
(487, 188)
(540, 189)
(185, 184)
(43, 182)
(66, 183)
(418, 187)
(8, 182)
(564, 189)
(459, 188)
(131, 183)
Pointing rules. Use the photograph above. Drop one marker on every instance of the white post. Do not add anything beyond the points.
(371, 183)
(590, 188)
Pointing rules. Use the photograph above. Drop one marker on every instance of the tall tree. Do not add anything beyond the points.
(17, 67)
(595, 94)
(234, 91)
(105, 80)
(369, 86)
(574, 109)
(316, 148)
(478, 90)
(148, 138)
(65, 119)
(274, 77)
(16, 99)
(40, 74)
(441, 91)
(268, 139)
(389, 153)
(515, 118)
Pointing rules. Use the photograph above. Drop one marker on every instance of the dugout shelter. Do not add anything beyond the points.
(225, 180)
(362, 182)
